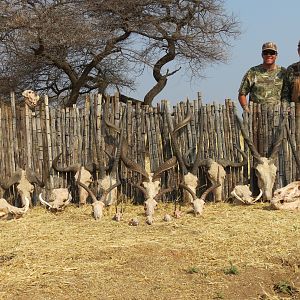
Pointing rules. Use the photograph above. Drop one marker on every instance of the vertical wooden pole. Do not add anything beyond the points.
(15, 151)
(297, 129)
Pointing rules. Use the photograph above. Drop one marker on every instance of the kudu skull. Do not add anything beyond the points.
(112, 178)
(25, 180)
(265, 167)
(149, 184)
(97, 205)
(86, 176)
(190, 172)
(198, 203)
(108, 183)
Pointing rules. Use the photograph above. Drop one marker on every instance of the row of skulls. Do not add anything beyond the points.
(149, 184)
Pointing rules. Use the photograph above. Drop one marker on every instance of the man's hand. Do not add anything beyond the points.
(243, 101)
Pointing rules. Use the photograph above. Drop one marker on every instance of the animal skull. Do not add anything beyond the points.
(265, 168)
(97, 205)
(287, 198)
(198, 203)
(8, 211)
(242, 194)
(98, 209)
(190, 172)
(198, 206)
(216, 174)
(150, 183)
(149, 206)
(265, 171)
(31, 98)
(85, 176)
(58, 200)
(24, 180)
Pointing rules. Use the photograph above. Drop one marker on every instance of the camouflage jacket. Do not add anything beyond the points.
(264, 86)
(292, 72)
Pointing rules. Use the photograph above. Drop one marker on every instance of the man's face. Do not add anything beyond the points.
(269, 57)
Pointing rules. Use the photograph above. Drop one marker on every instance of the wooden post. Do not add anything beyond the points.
(48, 140)
(297, 129)
(28, 139)
(15, 151)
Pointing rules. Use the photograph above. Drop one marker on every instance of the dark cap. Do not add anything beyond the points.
(299, 44)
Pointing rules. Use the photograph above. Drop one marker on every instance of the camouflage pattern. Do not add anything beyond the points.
(269, 46)
(292, 72)
(264, 86)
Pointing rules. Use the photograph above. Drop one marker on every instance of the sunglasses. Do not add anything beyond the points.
(269, 52)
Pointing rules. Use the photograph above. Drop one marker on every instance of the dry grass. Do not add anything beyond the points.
(71, 256)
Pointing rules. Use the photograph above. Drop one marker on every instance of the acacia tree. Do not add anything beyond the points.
(57, 47)
(77, 45)
(189, 33)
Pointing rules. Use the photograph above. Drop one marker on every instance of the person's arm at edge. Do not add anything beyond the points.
(244, 91)
(286, 93)
(243, 102)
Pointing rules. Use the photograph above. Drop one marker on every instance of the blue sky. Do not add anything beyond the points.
(261, 21)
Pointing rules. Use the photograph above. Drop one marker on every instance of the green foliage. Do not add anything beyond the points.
(232, 270)
(219, 295)
(192, 270)
(284, 287)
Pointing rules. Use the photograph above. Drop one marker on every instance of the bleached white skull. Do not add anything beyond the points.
(31, 98)
(287, 198)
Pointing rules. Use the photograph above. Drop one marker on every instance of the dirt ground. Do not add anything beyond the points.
(232, 252)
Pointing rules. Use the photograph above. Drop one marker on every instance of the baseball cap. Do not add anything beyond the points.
(299, 44)
(269, 46)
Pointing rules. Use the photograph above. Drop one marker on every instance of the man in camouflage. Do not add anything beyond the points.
(292, 84)
(263, 83)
